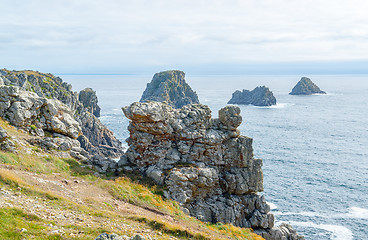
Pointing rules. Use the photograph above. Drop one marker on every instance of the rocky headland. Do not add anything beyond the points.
(306, 87)
(260, 96)
(45, 106)
(203, 163)
(170, 86)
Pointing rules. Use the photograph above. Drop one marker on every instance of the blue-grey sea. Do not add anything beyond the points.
(314, 148)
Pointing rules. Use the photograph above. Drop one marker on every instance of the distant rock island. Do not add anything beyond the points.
(170, 86)
(260, 96)
(306, 87)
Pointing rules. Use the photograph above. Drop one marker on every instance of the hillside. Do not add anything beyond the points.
(46, 197)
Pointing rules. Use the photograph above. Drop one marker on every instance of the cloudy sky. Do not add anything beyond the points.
(120, 36)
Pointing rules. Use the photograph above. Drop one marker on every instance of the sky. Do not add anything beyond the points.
(199, 36)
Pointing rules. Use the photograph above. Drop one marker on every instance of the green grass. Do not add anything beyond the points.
(176, 231)
(12, 220)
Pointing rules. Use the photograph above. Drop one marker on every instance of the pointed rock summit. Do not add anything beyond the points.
(260, 96)
(170, 86)
(306, 87)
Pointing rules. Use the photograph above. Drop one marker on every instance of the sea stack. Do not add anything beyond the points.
(170, 86)
(260, 96)
(306, 87)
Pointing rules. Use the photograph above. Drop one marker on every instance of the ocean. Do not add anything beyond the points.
(314, 148)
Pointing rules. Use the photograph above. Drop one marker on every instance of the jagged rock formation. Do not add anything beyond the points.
(23, 109)
(306, 87)
(89, 100)
(205, 164)
(170, 86)
(82, 107)
(260, 96)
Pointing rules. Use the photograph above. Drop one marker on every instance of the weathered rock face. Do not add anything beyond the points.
(170, 86)
(205, 164)
(23, 108)
(306, 87)
(89, 100)
(260, 96)
(82, 107)
(43, 84)
(99, 140)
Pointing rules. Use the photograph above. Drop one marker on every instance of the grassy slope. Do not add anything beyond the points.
(45, 197)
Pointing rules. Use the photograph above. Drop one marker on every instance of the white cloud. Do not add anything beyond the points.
(132, 33)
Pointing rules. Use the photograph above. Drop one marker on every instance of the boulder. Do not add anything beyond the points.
(170, 86)
(306, 87)
(260, 96)
(110, 236)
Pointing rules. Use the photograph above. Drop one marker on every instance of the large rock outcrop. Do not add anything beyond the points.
(82, 107)
(170, 86)
(260, 96)
(204, 163)
(23, 109)
(306, 87)
(89, 100)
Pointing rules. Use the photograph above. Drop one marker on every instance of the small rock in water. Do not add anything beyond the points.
(260, 96)
(306, 87)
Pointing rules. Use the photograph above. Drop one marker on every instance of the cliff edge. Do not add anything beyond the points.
(33, 91)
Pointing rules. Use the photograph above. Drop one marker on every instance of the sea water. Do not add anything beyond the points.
(314, 148)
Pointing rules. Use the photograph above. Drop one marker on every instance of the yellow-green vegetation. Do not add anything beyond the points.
(55, 198)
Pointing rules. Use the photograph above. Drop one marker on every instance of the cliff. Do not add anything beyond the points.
(170, 86)
(260, 96)
(306, 87)
(47, 195)
(204, 164)
(81, 107)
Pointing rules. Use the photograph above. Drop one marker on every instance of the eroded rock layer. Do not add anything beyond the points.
(204, 163)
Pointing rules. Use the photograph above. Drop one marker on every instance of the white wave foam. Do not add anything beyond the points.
(282, 105)
(306, 214)
(272, 205)
(337, 232)
(356, 212)
(278, 105)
